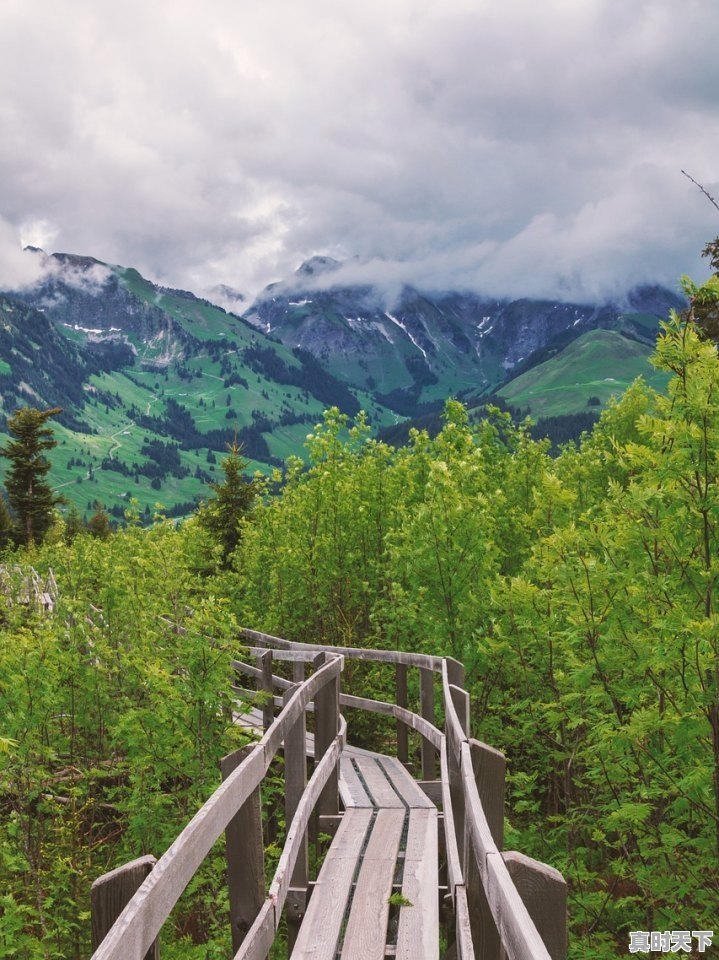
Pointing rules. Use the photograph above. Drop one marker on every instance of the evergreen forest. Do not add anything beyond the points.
(580, 590)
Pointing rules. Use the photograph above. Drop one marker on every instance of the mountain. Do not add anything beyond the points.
(155, 382)
(422, 347)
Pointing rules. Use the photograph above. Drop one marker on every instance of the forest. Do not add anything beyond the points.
(580, 590)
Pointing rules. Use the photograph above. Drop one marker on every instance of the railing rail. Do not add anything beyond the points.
(498, 900)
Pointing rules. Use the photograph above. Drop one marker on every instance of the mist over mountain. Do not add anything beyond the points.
(135, 364)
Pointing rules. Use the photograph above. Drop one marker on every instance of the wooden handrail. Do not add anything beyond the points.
(140, 922)
(478, 877)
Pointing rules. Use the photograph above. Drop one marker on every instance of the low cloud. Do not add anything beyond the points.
(520, 149)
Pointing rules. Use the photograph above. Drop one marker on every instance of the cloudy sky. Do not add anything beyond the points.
(507, 146)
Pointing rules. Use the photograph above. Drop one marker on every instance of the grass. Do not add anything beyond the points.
(566, 383)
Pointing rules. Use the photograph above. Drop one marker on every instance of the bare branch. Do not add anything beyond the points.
(705, 192)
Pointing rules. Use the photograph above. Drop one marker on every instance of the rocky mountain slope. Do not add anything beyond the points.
(425, 346)
(155, 382)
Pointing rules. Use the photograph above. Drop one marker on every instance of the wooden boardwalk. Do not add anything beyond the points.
(415, 868)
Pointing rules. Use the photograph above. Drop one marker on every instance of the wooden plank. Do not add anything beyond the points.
(298, 827)
(366, 932)
(245, 855)
(260, 936)
(418, 930)
(432, 789)
(460, 699)
(295, 784)
(142, 919)
(519, 936)
(319, 934)
(544, 893)
(462, 926)
(406, 785)
(264, 662)
(413, 720)
(379, 787)
(426, 690)
(327, 712)
(454, 865)
(352, 653)
(488, 767)
(455, 671)
(401, 701)
(352, 790)
(110, 894)
(489, 774)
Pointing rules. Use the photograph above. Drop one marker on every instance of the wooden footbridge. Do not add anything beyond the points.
(415, 868)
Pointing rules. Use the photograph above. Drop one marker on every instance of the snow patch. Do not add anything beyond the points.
(298, 303)
(404, 328)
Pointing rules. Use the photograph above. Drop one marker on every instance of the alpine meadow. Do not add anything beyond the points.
(581, 592)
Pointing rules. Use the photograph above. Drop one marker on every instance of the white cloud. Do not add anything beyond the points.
(520, 147)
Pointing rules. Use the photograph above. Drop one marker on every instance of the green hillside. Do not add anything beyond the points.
(599, 364)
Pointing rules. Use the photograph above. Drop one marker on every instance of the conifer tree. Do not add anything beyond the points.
(232, 501)
(31, 498)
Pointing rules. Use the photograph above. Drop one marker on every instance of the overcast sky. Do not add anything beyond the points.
(507, 146)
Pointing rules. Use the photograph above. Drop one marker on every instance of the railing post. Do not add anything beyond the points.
(401, 700)
(110, 894)
(488, 766)
(245, 855)
(327, 718)
(426, 698)
(295, 783)
(544, 893)
(455, 672)
(264, 662)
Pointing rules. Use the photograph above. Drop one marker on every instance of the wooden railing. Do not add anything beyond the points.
(495, 903)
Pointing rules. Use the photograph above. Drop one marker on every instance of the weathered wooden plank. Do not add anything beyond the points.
(256, 674)
(327, 713)
(407, 786)
(462, 926)
(432, 789)
(544, 893)
(365, 935)
(261, 934)
(519, 936)
(142, 919)
(460, 700)
(489, 774)
(245, 853)
(413, 720)
(488, 766)
(352, 653)
(418, 930)
(401, 701)
(352, 790)
(479, 834)
(454, 864)
(455, 671)
(298, 827)
(110, 894)
(380, 789)
(319, 934)
(426, 696)
(295, 784)
(264, 662)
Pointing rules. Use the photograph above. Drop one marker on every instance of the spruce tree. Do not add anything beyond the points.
(233, 498)
(30, 496)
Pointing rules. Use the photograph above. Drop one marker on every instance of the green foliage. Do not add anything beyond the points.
(115, 710)
(580, 592)
(399, 900)
(222, 515)
(31, 497)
